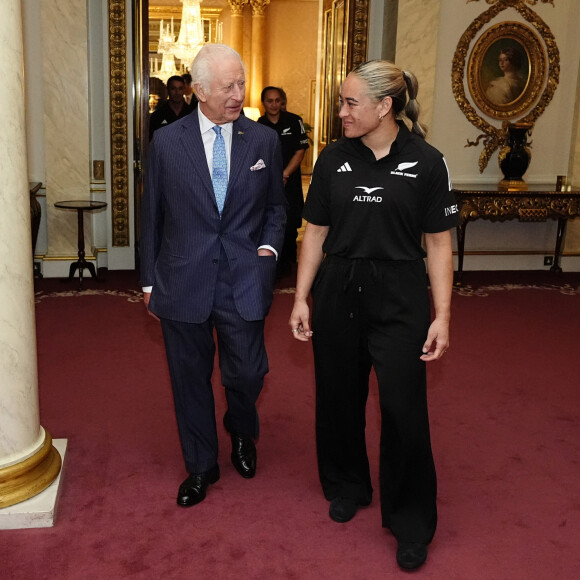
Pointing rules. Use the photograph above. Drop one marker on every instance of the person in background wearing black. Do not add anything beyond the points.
(188, 93)
(376, 194)
(172, 109)
(294, 144)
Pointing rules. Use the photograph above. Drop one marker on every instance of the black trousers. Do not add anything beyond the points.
(295, 199)
(190, 350)
(375, 314)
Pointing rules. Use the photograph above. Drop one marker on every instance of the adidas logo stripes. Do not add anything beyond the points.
(344, 167)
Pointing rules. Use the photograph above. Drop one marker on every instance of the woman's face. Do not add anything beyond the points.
(360, 115)
(272, 102)
(504, 62)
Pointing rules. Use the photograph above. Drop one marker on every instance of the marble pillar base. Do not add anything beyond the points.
(38, 511)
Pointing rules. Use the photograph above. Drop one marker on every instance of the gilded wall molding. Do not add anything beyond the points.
(494, 137)
(359, 33)
(345, 30)
(118, 118)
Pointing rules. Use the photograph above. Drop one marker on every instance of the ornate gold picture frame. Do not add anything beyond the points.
(477, 52)
(506, 70)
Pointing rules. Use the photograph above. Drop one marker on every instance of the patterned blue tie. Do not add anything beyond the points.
(219, 173)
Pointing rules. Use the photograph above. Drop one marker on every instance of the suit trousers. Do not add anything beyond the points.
(243, 363)
(370, 313)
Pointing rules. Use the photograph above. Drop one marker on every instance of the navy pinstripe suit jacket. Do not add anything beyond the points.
(181, 230)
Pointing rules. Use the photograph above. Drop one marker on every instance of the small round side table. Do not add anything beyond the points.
(81, 206)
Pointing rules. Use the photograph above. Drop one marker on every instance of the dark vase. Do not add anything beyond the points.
(514, 158)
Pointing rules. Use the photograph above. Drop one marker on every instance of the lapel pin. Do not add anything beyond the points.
(240, 132)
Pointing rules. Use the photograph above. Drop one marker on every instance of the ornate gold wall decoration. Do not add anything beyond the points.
(533, 95)
(345, 30)
(358, 33)
(118, 115)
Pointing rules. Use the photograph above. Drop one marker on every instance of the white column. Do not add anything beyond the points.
(28, 461)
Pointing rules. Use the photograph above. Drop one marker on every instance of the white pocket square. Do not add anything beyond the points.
(259, 165)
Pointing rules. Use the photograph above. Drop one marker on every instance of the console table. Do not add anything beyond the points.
(533, 205)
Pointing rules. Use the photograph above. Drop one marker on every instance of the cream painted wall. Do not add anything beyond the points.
(64, 69)
(417, 37)
(67, 124)
(290, 59)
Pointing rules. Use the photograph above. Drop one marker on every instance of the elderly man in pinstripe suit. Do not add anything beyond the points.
(212, 225)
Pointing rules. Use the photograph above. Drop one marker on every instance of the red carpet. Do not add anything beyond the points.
(505, 425)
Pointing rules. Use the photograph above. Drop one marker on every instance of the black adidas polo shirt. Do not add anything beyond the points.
(380, 209)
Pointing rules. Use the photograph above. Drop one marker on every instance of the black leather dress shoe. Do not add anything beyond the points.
(411, 555)
(244, 455)
(342, 509)
(194, 488)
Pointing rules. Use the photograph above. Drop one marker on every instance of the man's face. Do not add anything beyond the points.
(175, 89)
(224, 101)
(272, 102)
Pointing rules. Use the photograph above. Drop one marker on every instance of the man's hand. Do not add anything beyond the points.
(146, 298)
(265, 252)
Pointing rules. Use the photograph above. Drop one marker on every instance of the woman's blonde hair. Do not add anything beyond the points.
(386, 79)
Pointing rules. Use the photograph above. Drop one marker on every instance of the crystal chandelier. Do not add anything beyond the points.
(165, 47)
(189, 42)
(191, 37)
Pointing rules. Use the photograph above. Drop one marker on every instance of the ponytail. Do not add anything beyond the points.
(412, 108)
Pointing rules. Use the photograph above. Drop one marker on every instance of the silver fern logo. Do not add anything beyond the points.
(402, 167)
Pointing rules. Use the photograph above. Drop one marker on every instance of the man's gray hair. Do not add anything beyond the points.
(203, 64)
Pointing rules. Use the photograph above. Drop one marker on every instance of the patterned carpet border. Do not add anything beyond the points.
(130, 295)
(483, 291)
(466, 290)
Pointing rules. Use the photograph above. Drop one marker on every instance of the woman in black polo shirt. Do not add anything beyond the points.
(375, 194)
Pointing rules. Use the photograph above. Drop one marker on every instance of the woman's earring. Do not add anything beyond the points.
(380, 117)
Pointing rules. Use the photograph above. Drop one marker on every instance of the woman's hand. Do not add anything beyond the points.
(437, 341)
(299, 321)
